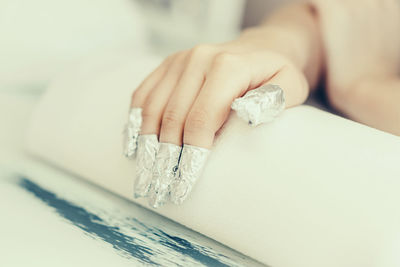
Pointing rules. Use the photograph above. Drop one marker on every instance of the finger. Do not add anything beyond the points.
(164, 172)
(158, 97)
(265, 103)
(141, 92)
(131, 131)
(191, 165)
(146, 155)
(210, 109)
(178, 107)
(227, 80)
(148, 140)
(229, 77)
(184, 95)
(287, 88)
(260, 105)
(172, 125)
(173, 120)
(293, 84)
(134, 123)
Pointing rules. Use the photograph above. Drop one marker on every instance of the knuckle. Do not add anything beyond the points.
(170, 58)
(200, 51)
(148, 112)
(171, 119)
(225, 60)
(179, 56)
(173, 58)
(150, 109)
(175, 65)
(198, 119)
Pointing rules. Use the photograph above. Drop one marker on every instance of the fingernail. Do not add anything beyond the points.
(147, 147)
(164, 172)
(132, 129)
(191, 166)
(260, 105)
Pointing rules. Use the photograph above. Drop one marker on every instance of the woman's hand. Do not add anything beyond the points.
(187, 99)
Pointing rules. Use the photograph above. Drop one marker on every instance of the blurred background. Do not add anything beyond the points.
(41, 38)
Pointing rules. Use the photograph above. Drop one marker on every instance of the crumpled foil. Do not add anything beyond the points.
(147, 147)
(131, 132)
(191, 166)
(164, 172)
(260, 105)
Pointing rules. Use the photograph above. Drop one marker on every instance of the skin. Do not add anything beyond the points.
(361, 43)
(187, 98)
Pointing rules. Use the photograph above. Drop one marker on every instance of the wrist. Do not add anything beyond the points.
(279, 40)
(294, 33)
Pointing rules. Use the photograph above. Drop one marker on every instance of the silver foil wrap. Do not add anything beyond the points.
(260, 105)
(164, 172)
(191, 166)
(147, 147)
(132, 129)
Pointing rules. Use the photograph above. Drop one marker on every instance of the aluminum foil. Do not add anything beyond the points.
(260, 105)
(164, 172)
(132, 129)
(147, 147)
(191, 166)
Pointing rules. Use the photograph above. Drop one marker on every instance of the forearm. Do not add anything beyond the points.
(375, 102)
(362, 52)
(292, 31)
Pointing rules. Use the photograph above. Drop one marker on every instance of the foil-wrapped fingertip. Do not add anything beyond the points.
(141, 186)
(158, 194)
(131, 131)
(260, 105)
(164, 173)
(130, 143)
(193, 160)
(180, 190)
(138, 195)
(156, 201)
(145, 158)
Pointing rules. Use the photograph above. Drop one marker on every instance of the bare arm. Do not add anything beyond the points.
(361, 44)
(293, 31)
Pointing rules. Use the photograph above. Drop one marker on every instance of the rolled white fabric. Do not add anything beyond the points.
(309, 189)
